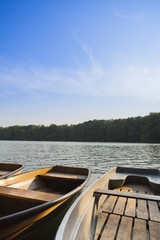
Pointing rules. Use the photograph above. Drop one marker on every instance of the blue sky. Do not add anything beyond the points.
(66, 62)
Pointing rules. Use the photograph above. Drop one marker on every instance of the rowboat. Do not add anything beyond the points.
(34, 203)
(122, 204)
(8, 169)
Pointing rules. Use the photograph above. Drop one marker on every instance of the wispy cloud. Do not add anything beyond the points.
(94, 63)
(121, 80)
(134, 17)
(136, 81)
(97, 80)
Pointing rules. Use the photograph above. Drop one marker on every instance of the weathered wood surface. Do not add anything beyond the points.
(134, 216)
(127, 194)
(111, 227)
(125, 229)
(154, 211)
(118, 227)
(130, 207)
(101, 221)
(39, 197)
(142, 211)
(109, 204)
(120, 206)
(154, 230)
(139, 230)
(65, 176)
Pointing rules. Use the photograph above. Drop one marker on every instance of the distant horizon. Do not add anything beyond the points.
(66, 62)
(78, 122)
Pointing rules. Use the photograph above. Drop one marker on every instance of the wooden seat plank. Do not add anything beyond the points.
(142, 211)
(64, 176)
(121, 202)
(120, 206)
(154, 211)
(100, 223)
(130, 207)
(125, 228)
(31, 195)
(154, 230)
(139, 230)
(127, 194)
(111, 227)
(109, 204)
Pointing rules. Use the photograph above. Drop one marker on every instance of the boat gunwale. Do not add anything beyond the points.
(89, 190)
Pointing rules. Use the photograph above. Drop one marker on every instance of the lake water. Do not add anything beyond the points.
(98, 157)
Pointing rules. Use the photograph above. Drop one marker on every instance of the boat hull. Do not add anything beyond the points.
(44, 228)
(77, 221)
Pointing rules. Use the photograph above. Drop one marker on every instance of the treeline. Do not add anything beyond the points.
(138, 130)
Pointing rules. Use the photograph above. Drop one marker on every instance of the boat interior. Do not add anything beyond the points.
(131, 208)
(149, 178)
(32, 190)
(6, 168)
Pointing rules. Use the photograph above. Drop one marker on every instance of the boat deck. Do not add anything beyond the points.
(127, 216)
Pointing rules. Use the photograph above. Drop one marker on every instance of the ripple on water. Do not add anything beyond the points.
(98, 157)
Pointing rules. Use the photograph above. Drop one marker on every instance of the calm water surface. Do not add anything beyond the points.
(98, 157)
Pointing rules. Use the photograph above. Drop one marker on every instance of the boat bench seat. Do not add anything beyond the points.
(65, 176)
(99, 192)
(28, 195)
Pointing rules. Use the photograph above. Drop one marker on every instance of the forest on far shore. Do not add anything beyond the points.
(135, 129)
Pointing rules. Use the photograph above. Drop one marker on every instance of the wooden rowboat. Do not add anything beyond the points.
(34, 203)
(122, 204)
(8, 169)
